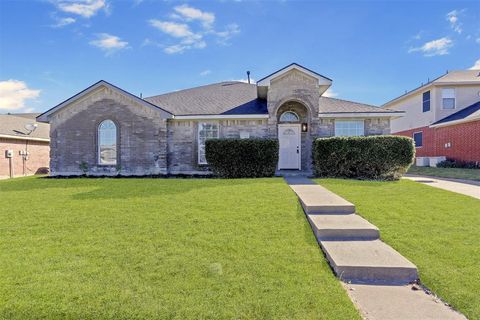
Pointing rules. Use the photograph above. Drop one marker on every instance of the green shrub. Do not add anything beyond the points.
(373, 157)
(452, 163)
(242, 158)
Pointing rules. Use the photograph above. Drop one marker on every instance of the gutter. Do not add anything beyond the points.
(217, 116)
(7, 136)
(453, 122)
(360, 114)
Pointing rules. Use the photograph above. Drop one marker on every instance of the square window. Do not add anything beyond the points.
(346, 128)
(418, 138)
(448, 98)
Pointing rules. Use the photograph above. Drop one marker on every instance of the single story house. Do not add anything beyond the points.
(443, 117)
(24, 145)
(105, 130)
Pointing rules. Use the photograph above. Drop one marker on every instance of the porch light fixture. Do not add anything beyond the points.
(304, 127)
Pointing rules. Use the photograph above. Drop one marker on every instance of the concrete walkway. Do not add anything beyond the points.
(469, 188)
(375, 275)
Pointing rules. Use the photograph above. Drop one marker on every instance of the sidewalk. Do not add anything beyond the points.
(469, 188)
(376, 277)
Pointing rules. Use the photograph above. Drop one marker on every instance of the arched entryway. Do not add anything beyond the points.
(293, 122)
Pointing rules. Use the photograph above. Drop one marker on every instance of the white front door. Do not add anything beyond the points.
(289, 140)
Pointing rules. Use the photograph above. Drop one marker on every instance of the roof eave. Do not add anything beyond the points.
(44, 117)
(454, 122)
(9, 136)
(362, 114)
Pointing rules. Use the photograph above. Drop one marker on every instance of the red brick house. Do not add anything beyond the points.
(24, 145)
(443, 117)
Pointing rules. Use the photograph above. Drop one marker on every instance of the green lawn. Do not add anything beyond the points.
(161, 249)
(436, 229)
(456, 173)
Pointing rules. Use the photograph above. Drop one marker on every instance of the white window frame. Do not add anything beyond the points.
(200, 143)
(99, 144)
(413, 137)
(449, 96)
(338, 122)
(288, 121)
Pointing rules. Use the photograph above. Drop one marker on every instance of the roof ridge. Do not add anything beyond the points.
(365, 104)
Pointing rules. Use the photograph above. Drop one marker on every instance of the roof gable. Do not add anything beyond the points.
(456, 77)
(44, 117)
(321, 79)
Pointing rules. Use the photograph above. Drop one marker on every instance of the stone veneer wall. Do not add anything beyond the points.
(374, 126)
(141, 137)
(183, 137)
(298, 92)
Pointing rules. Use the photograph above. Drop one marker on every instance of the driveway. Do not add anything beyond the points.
(466, 187)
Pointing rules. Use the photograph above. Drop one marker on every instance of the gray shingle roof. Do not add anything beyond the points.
(233, 97)
(469, 113)
(14, 125)
(333, 105)
(224, 98)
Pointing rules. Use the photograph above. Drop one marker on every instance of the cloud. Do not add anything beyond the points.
(62, 22)
(109, 43)
(13, 94)
(230, 30)
(189, 39)
(476, 65)
(437, 47)
(205, 72)
(84, 8)
(330, 93)
(452, 18)
(189, 13)
(177, 30)
(190, 35)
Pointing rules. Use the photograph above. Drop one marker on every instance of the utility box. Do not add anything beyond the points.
(8, 153)
(422, 161)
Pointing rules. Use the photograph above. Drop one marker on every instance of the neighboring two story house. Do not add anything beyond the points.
(442, 116)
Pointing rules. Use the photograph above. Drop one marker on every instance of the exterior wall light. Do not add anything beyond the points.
(304, 127)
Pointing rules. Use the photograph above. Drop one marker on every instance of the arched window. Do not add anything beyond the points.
(107, 143)
(289, 116)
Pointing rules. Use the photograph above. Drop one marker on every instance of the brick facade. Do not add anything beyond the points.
(150, 142)
(37, 160)
(459, 142)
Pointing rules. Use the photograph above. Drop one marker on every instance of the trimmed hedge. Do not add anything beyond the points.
(372, 157)
(242, 158)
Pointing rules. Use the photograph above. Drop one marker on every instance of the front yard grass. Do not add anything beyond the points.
(455, 173)
(161, 249)
(436, 229)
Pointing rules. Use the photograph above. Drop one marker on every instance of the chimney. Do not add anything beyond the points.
(248, 76)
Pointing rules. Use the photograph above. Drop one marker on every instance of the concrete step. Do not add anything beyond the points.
(368, 262)
(342, 227)
(315, 199)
